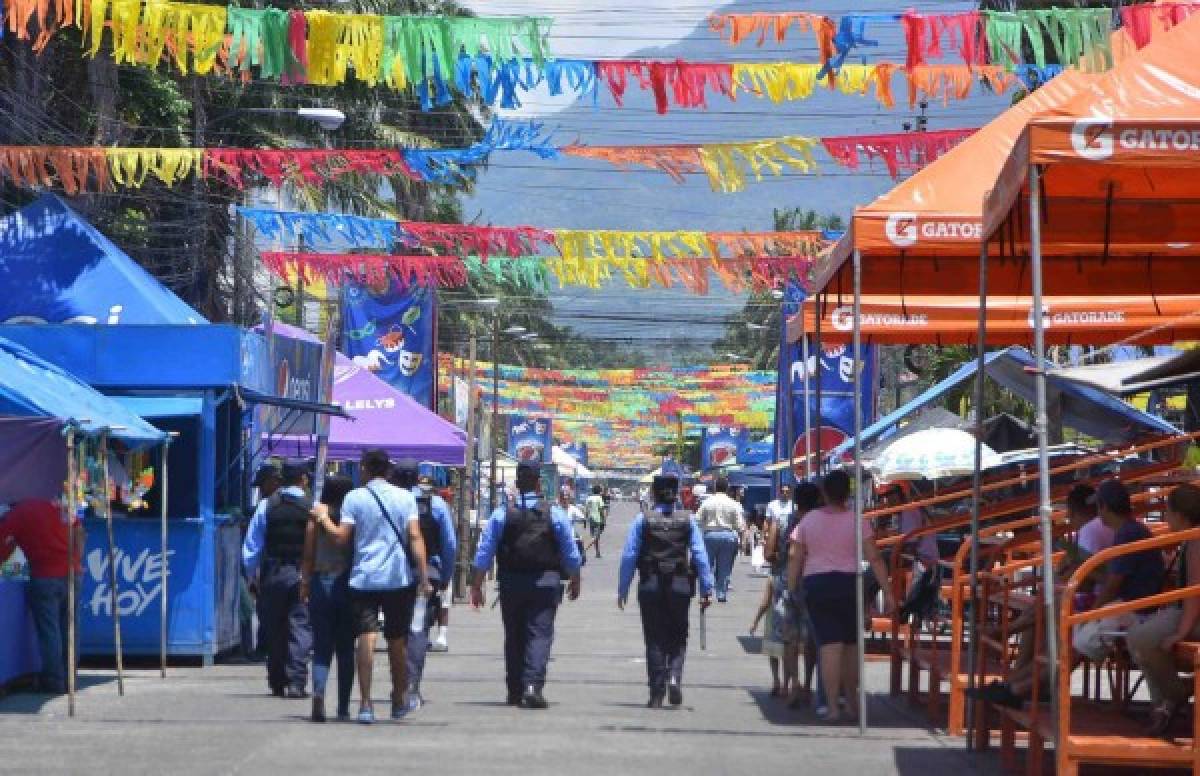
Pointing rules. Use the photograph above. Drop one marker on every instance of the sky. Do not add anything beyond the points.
(519, 188)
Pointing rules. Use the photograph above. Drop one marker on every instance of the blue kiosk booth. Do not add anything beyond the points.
(202, 384)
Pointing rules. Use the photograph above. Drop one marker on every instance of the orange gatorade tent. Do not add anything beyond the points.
(953, 320)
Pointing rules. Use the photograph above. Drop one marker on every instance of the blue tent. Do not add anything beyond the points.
(58, 268)
(32, 387)
(1084, 409)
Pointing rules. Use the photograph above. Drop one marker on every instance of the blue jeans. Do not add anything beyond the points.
(48, 604)
(332, 618)
(722, 547)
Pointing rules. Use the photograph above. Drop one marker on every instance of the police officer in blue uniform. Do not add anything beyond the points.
(535, 548)
(441, 548)
(666, 548)
(275, 540)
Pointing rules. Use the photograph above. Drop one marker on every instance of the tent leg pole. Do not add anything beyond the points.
(808, 471)
(859, 603)
(1042, 420)
(165, 562)
(72, 551)
(977, 488)
(333, 324)
(112, 568)
(820, 419)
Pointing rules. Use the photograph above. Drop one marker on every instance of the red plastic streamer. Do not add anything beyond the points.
(440, 271)
(482, 241)
(312, 165)
(687, 83)
(297, 41)
(903, 151)
(1142, 21)
(923, 35)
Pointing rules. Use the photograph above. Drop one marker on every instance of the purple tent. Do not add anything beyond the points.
(380, 416)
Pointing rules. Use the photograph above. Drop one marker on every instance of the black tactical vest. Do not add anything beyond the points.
(287, 517)
(431, 530)
(528, 542)
(665, 543)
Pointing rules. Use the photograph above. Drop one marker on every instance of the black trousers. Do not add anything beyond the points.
(664, 606)
(528, 613)
(284, 620)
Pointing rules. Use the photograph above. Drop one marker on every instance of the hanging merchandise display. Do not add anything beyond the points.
(389, 330)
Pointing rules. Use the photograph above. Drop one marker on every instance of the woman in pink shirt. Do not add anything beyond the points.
(824, 556)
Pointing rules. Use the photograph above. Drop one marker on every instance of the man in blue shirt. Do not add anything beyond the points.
(535, 548)
(658, 547)
(441, 547)
(388, 572)
(275, 540)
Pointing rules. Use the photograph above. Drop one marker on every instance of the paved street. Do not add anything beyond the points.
(221, 720)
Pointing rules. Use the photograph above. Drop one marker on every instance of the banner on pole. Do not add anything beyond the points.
(529, 439)
(720, 446)
(389, 330)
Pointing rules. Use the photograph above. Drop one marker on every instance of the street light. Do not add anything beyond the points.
(755, 326)
(515, 330)
(328, 119)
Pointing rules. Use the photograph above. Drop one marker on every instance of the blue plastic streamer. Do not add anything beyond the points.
(852, 30)
(455, 165)
(1033, 76)
(326, 230)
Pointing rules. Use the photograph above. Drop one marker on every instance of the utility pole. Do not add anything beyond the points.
(495, 399)
(466, 530)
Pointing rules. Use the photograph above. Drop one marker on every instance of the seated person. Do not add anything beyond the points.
(1152, 640)
(1127, 578)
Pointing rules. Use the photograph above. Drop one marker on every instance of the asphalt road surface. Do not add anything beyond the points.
(221, 720)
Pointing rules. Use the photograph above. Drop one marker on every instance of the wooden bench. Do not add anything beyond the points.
(1088, 731)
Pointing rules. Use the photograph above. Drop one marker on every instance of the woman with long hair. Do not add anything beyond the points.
(325, 573)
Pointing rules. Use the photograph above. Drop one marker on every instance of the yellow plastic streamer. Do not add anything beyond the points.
(724, 161)
(777, 81)
(131, 166)
(143, 32)
(338, 42)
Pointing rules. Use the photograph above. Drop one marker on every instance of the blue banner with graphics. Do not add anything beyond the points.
(529, 439)
(834, 368)
(390, 330)
(720, 446)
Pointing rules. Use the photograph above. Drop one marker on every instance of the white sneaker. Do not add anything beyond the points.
(439, 645)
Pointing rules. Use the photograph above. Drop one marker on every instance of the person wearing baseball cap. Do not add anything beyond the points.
(534, 548)
(275, 542)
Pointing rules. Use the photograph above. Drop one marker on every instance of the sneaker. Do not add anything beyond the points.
(366, 716)
(674, 692)
(318, 709)
(295, 692)
(399, 710)
(415, 701)
(439, 645)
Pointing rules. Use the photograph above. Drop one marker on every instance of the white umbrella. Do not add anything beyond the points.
(930, 455)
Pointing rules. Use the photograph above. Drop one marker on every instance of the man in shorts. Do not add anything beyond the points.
(388, 573)
(597, 515)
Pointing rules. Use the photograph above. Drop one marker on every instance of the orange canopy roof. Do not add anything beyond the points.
(953, 320)
(925, 235)
(1114, 156)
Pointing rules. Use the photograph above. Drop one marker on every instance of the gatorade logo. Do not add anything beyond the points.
(1093, 138)
(901, 229)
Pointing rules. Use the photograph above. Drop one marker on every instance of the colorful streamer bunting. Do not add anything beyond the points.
(623, 414)
(335, 230)
(94, 168)
(591, 271)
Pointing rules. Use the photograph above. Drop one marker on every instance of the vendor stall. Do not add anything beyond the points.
(43, 410)
(377, 416)
(198, 383)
